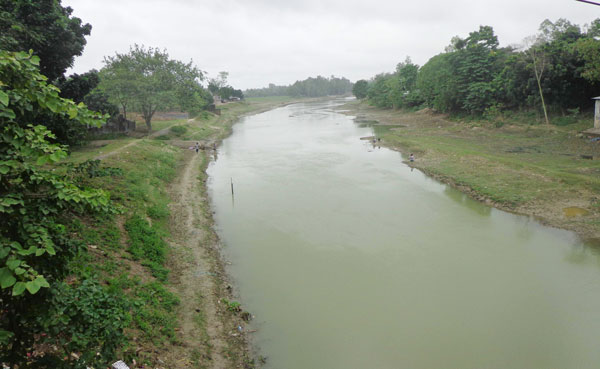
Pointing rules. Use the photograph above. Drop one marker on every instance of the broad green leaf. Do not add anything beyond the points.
(42, 281)
(42, 160)
(33, 286)
(18, 288)
(52, 105)
(5, 337)
(29, 251)
(13, 264)
(3, 98)
(7, 113)
(73, 112)
(7, 279)
(20, 271)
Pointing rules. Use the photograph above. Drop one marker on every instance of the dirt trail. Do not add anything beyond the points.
(134, 142)
(202, 330)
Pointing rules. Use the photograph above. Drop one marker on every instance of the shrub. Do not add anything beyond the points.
(178, 130)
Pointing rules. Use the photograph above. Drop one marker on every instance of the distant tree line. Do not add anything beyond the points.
(556, 70)
(310, 87)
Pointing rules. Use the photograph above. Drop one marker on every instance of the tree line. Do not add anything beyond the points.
(555, 71)
(310, 87)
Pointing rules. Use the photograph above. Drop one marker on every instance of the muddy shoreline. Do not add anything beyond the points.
(542, 211)
(230, 323)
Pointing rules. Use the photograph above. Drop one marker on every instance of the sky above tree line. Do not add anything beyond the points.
(280, 41)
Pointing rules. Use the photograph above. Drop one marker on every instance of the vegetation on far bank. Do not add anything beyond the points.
(519, 165)
(502, 123)
(553, 73)
(311, 87)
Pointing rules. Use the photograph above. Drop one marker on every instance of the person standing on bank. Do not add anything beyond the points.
(411, 158)
(197, 147)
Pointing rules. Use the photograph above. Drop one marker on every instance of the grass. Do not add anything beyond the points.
(517, 164)
(139, 189)
(128, 253)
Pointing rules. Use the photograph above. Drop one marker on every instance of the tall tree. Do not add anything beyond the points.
(46, 27)
(148, 80)
(360, 89)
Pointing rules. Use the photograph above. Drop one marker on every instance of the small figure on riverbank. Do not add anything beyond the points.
(411, 158)
(197, 147)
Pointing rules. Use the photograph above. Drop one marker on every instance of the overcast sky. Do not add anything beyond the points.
(280, 41)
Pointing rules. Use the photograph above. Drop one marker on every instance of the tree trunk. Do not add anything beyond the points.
(147, 113)
(542, 97)
(538, 78)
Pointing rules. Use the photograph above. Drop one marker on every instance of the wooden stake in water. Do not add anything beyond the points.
(231, 186)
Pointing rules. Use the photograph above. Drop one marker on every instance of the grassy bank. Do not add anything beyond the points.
(140, 255)
(512, 162)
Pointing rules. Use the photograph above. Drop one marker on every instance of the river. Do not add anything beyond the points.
(350, 259)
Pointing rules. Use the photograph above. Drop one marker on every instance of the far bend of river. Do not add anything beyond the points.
(348, 259)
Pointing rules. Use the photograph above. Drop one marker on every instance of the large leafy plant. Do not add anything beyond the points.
(37, 197)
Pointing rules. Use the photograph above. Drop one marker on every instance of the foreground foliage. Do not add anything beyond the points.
(47, 28)
(37, 204)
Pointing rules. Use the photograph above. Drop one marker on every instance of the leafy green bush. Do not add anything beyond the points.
(86, 320)
(35, 203)
(179, 130)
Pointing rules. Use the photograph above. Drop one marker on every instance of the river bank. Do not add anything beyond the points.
(521, 168)
(185, 313)
(326, 229)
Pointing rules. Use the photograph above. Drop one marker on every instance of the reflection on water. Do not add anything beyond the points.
(350, 259)
(467, 202)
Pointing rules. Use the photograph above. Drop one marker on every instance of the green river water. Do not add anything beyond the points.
(350, 259)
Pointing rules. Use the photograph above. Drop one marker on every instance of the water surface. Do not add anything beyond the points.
(350, 259)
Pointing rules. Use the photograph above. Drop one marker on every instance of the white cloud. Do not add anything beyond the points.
(263, 41)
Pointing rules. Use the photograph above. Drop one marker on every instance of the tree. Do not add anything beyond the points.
(77, 86)
(436, 82)
(35, 203)
(45, 27)
(148, 80)
(589, 50)
(403, 84)
(539, 61)
(475, 67)
(360, 89)
(216, 84)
